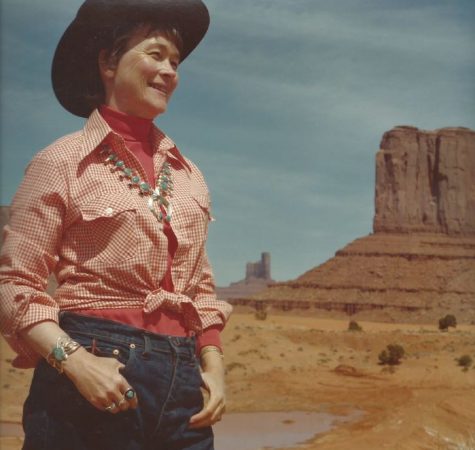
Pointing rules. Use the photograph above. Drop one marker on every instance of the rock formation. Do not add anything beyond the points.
(420, 261)
(258, 277)
(425, 181)
(259, 269)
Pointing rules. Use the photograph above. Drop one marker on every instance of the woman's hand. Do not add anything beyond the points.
(213, 382)
(99, 381)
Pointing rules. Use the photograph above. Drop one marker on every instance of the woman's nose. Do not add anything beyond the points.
(168, 68)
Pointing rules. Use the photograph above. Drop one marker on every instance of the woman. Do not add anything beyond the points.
(120, 217)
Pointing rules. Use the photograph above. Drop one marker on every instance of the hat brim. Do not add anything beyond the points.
(75, 72)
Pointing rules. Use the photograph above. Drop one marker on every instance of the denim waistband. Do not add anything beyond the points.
(78, 324)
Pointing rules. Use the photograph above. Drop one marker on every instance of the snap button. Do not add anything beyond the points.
(132, 345)
(108, 212)
(115, 352)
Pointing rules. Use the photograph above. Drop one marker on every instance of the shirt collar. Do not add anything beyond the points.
(161, 142)
(96, 130)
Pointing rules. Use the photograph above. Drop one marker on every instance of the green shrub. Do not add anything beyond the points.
(354, 326)
(235, 365)
(465, 361)
(392, 355)
(261, 314)
(448, 321)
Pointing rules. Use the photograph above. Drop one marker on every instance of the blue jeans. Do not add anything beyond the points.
(164, 372)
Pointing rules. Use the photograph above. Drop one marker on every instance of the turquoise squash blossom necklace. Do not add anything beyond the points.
(163, 187)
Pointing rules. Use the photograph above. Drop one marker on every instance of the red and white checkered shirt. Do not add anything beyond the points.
(74, 216)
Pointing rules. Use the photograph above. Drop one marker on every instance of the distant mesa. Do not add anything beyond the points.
(420, 260)
(259, 270)
(258, 278)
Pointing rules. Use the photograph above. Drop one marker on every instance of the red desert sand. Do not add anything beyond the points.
(291, 363)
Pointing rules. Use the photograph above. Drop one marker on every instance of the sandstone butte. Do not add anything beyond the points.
(419, 262)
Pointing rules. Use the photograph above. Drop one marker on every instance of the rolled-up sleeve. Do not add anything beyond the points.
(29, 251)
(214, 313)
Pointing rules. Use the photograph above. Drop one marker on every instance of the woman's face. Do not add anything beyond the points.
(143, 80)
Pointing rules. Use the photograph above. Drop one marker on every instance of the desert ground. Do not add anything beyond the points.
(303, 363)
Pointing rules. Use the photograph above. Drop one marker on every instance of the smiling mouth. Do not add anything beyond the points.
(158, 87)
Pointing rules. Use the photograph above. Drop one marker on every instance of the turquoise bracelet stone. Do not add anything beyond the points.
(59, 354)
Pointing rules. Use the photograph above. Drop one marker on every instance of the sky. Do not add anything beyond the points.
(282, 106)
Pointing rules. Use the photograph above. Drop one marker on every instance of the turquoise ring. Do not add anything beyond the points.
(129, 394)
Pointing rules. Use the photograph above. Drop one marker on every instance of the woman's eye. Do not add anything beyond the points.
(159, 56)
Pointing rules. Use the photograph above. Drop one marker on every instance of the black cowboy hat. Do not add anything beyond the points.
(75, 73)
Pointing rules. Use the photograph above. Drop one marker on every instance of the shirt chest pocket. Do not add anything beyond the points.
(108, 228)
(197, 214)
(204, 203)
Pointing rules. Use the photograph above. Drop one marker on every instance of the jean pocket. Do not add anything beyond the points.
(107, 348)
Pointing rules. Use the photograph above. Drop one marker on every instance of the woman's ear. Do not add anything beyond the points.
(107, 66)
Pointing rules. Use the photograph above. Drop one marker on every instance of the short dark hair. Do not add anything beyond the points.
(115, 45)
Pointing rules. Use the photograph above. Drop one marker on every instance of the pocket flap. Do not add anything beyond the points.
(107, 205)
(203, 200)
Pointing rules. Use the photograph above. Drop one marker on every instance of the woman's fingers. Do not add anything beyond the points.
(100, 382)
(208, 416)
(218, 414)
(124, 396)
(120, 404)
(112, 408)
(128, 398)
(131, 397)
(215, 407)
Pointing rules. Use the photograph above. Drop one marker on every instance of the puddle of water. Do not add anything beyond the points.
(10, 429)
(255, 431)
(273, 430)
